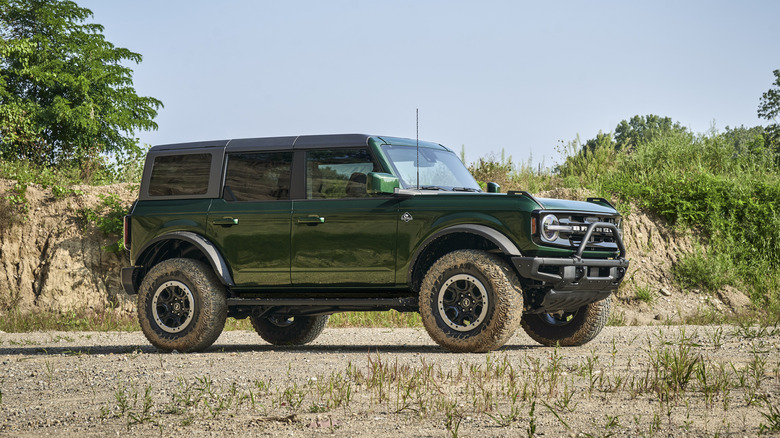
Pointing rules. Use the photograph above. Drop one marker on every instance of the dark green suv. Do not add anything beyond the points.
(289, 230)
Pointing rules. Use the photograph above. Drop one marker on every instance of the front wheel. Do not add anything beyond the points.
(289, 330)
(568, 328)
(181, 305)
(470, 301)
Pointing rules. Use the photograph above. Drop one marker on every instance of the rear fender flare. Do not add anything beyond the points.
(211, 252)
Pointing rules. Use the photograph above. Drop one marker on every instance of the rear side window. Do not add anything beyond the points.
(258, 176)
(180, 175)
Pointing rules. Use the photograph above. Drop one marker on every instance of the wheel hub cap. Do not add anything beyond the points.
(172, 306)
(462, 302)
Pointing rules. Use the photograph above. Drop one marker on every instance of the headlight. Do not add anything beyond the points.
(548, 222)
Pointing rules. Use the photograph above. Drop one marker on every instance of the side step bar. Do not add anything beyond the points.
(393, 303)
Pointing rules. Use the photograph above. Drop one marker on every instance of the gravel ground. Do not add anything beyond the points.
(629, 381)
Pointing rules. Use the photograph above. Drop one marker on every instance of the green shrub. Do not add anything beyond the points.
(108, 218)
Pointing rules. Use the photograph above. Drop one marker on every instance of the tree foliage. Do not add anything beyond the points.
(643, 129)
(64, 94)
(769, 109)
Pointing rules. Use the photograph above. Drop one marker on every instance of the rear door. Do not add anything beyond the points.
(251, 223)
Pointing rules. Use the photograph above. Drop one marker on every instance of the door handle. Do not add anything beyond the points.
(311, 220)
(225, 221)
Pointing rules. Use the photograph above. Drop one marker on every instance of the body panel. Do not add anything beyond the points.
(257, 244)
(354, 242)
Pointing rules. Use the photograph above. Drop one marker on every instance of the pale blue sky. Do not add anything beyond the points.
(488, 75)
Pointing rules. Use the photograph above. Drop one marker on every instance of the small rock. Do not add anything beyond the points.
(665, 292)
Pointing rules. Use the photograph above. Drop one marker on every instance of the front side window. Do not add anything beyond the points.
(258, 176)
(338, 173)
(438, 169)
(180, 175)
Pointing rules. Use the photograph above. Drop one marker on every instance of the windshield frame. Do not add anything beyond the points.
(453, 174)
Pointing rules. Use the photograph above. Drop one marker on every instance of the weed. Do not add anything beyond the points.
(531, 430)
(507, 419)
(49, 371)
(772, 416)
(644, 294)
(453, 419)
(144, 415)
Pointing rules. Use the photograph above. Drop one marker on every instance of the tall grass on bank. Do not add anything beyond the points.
(729, 194)
(733, 198)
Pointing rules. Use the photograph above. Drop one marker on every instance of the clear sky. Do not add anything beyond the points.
(516, 75)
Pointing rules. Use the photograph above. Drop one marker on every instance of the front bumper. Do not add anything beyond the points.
(569, 283)
(573, 273)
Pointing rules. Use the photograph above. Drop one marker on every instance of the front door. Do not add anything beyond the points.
(340, 234)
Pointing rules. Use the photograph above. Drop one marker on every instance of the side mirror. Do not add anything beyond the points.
(381, 183)
(493, 188)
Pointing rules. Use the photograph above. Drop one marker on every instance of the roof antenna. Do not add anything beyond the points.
(417, 116)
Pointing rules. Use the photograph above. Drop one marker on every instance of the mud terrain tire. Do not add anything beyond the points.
(570, 329)
(280, 330)
(470, 301)
(181, 306)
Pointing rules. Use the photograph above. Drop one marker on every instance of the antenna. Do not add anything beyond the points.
(417, 163)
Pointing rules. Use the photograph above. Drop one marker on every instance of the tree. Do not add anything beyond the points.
(769, 109)
(642, 129)
(64, 94)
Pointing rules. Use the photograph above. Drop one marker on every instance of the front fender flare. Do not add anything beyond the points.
(499, 239)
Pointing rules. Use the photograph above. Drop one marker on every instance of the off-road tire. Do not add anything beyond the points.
(298, 330)
(191, 306)
(570, 329)
(473, 276)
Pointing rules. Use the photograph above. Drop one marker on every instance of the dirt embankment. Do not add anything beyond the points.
(54, 261)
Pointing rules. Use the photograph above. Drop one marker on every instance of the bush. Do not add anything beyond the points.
(725, 186)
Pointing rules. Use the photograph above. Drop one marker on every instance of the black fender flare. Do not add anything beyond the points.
(207, 248)
(499, 239)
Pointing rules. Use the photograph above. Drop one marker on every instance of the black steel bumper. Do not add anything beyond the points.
(573, 273)
(569, 283)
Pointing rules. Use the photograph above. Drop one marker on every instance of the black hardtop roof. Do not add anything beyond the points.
(289, 142)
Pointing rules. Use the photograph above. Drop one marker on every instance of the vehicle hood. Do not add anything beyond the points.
(569, 205)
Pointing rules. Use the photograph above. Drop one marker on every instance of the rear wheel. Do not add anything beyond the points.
(289, 330)
(181, 305)
(568, 328)
(470, 301)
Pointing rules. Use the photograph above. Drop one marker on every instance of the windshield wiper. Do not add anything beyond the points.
(431, 188)
(465, 189)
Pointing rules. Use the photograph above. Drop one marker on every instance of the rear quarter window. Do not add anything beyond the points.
(180, 175)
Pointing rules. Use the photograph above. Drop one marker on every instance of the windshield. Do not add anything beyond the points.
(439, 169)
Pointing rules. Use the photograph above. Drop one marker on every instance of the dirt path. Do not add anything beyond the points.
(637, 381)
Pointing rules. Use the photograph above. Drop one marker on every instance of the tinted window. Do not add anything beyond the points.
(180, 175)
(338, 173)
(258, 176)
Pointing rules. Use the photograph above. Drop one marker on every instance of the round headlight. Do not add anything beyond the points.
(548, 234)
